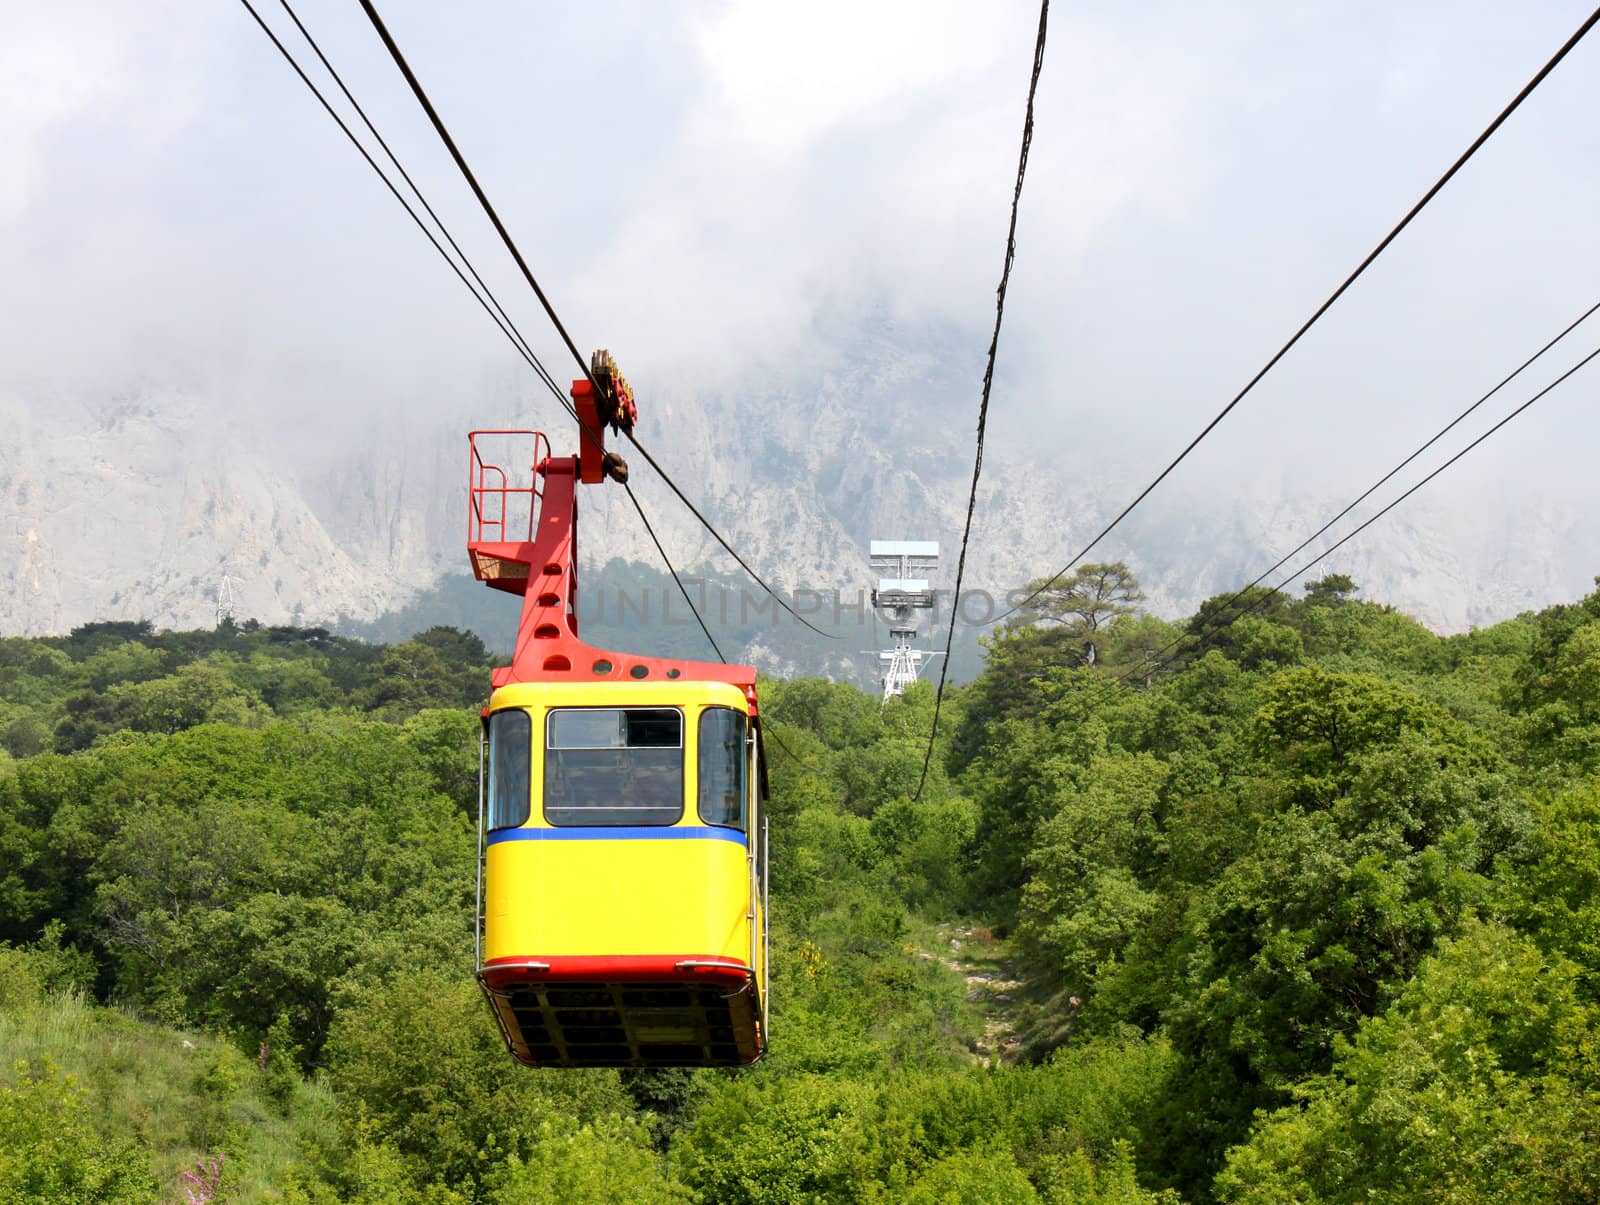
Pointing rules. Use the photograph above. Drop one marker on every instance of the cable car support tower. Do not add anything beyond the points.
(899, 597)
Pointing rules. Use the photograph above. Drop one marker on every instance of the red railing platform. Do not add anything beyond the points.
(504, 475)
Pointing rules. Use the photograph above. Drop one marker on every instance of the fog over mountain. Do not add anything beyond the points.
(227, 354)
(137, 507)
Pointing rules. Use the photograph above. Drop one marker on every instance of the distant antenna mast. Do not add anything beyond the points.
(900, 596)
(225, 599)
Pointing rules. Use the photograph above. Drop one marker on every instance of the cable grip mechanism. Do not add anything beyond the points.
(604, 401)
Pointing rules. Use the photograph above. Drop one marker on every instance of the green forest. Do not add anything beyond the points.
(1292, 900)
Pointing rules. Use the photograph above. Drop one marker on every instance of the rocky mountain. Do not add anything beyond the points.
(148, 504)
(138, 507)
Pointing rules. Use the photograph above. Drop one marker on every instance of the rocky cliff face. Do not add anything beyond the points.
(139, 506)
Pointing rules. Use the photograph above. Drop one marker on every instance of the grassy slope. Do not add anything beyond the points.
(178, 1094)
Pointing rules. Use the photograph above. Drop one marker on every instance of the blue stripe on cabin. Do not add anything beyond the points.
(631, 832)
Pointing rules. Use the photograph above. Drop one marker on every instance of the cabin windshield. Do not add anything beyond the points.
(613, 765)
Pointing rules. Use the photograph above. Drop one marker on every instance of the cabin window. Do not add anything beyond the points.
(753, 759)
(510, 749)
(722, 766)
(613, 765)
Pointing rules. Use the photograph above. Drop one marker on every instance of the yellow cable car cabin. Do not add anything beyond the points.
(622, 872)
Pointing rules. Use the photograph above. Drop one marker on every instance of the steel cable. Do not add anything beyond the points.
(988, 381)
(1322, 309)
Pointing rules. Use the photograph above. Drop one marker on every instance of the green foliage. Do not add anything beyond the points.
(238, 910)
(928, 844)
(1262, 644)
(1478, 1084)
(420, 674)
(990, 1176)
(1085, 898)
(1081, 603)
(198, 693)
(419, 1058)
(1060, 1132)
(1133, 646)
(1556, 891)
(591, 1164)
(1307, 913)
(30, 670)
(172, 1097)
(774, 1142)
(841, 717)
(1250, 856)
(1019, 659)
(51, 1150)
(130, 662)
(1215, 625)
(1333, 590)
(1018, 783)
(1318, 724)
(1364, 635)
(446, 744)
(1074, 1179)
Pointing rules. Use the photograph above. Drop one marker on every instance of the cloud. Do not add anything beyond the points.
(778, 79)
(721, 193)
(49, 72)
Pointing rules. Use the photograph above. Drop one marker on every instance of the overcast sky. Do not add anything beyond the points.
(716, 190)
